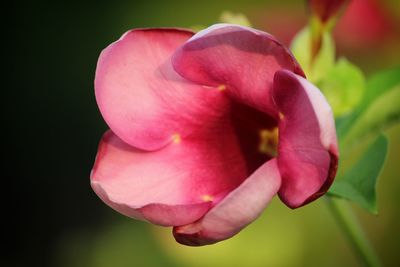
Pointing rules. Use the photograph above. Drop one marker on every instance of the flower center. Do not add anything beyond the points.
(269, 141)
(257, 134)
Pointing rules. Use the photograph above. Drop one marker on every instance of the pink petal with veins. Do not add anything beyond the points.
(172, 186)
(141, 97)
(307, 151)
(238, 59)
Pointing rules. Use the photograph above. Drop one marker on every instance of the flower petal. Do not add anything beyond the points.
(236, 58)
(235, 211)
(175, 185)
(307, 151)
(143, 100)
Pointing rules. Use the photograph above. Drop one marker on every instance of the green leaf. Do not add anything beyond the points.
(343, 86)
(383, 112)
(359, 183)
(323, 62)
(342, 83)
(378, 109)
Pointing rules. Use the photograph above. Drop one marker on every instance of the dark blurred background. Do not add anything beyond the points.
(52, 128)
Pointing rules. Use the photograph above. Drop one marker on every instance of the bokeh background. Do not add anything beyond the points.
(52, 128)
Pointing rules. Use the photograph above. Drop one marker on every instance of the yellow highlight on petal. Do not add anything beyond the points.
(176, 138)
(221, 87)
(207, 198)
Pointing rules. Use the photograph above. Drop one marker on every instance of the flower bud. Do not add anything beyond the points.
(325, 9)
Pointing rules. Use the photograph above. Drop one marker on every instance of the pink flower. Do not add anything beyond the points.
(194, 130)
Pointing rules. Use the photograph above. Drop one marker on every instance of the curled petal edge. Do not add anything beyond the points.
(235, 211)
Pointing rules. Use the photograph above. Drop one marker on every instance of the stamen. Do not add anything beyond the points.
(207, 198)
(176, 138)
(269, 141)
(281, 116)
(221, 87)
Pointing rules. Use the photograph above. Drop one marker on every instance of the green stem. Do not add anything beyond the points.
(352, 229)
